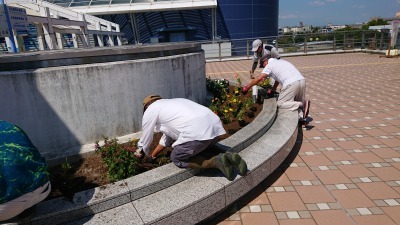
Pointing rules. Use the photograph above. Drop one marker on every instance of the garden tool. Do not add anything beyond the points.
(220, 162)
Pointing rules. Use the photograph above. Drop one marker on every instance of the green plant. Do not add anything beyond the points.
(240, 114)
(218, 87)
(265, 83)
(120, 159)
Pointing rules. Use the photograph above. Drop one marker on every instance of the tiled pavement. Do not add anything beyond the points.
(345, 167)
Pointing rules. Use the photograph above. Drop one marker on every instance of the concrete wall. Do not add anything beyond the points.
(62, 108)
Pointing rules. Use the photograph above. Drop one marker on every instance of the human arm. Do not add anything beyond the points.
(253, 68)
(255, 81)
(276, 83)
(148, 123)
(157, 151)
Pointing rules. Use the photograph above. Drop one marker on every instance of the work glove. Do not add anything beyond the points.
(139, 153)
(245, 90)
(148, 159)
(271, 93)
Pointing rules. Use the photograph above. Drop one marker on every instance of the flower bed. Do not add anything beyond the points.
(115, 161)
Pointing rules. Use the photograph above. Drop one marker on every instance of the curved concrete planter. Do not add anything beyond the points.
(170, 195)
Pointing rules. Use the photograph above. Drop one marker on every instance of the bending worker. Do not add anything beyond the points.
(293, 92)
(260, 50)
(189, 128)
(24, 179)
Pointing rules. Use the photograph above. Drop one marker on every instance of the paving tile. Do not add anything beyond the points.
(314, 194)
(355, 171)
(317, 160)
(283, 180)
(352, 198)
(373, 220)
(349, 145)
(385, 153)
(312, 133)
(337, 155)
(335, 134)
(386, 173)
(375, 132)
(297, 222)
(390, 129)
(366, 157)
(261, 199)
(368, 141)
(332, 177)
(378, 190)
(352, 131)
(392, 212)
(293, 215)
(331, 217)
(300, 173)
(392, 142)
(362, 125)
(308, 147)
(323, 143)
(258, 218)
(280, 200)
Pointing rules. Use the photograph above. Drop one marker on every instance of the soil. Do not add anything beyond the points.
(90, 171)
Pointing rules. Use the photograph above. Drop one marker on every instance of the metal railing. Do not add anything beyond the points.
(301, 43)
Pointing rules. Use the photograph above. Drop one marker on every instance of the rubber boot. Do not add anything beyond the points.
(220, 162)
(238, 163)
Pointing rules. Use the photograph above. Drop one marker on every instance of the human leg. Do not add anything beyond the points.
(238, 163)
(187, 155)
(14, 207)
(181, 153)
(287, 96)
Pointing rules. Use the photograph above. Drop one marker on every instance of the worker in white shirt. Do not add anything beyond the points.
(189, 128)
(260, 50)
(293, 92)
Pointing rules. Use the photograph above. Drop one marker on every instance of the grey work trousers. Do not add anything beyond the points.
(291, 96)
(181, 153)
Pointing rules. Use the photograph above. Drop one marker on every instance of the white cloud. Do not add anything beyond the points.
(334, 0)
(316, 3)
(290, 16)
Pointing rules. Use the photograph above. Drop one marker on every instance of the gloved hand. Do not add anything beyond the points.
(245, 90)
(139, 153)
(148, 159)
(271, 93)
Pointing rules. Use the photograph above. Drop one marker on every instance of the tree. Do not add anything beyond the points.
(375, 22)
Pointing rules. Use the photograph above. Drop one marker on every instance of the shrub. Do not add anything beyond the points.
(120, 159)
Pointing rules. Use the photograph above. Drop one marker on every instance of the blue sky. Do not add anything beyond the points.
(337, 12)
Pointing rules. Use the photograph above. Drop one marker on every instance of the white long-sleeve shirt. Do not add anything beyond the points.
(282, 71)
(178, 119)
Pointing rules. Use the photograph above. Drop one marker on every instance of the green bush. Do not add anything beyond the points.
(119, 158)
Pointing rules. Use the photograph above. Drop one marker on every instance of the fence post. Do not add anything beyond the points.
(305, 43)
(334, 42)
(247, 48)
(219, 50)
(363, 40)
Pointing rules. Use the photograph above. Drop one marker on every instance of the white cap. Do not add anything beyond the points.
(257, 43)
